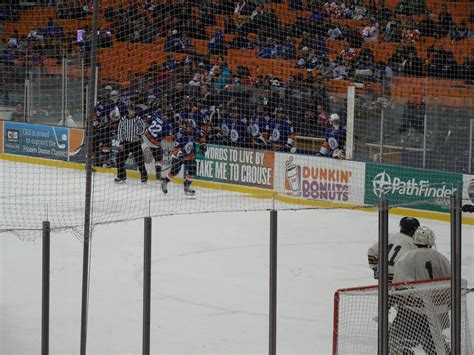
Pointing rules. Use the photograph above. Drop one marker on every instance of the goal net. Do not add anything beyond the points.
(419, 319)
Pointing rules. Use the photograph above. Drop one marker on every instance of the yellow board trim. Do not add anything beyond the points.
(252, 192)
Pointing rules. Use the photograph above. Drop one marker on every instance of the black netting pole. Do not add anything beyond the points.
(456, 224)
(88, 190)
(146, 286)
(383, 279)
(45, 288)
(273, 282)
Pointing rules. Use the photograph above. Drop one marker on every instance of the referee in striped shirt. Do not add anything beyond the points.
(130, 129)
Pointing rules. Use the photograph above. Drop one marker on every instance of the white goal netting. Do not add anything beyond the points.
(419, 319)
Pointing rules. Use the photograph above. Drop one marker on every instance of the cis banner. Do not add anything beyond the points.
(237, 166)
(35, 140)
(412, 188)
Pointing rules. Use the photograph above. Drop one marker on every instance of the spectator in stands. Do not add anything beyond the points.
(334, 31)
(53, 30)
(427, 27)
(340, 71)
(410, 34)
(441, 63)
(14, 41)
(222, 77)
(460, 32)
(326, 67)
(445, 22)
(370, 33)
(393, 31)
(216, 44)
(412, 65)
(268, 100)
(18, 114)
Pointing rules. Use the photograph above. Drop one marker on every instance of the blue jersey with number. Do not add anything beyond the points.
(234, 130)
(335, 139)
(107, 113)
(187, 142)
(281, 133)
(158, 129)
(260, 127)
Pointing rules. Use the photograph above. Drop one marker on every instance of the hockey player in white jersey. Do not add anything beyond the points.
(423, 263)
(398, 245)
(420, 320)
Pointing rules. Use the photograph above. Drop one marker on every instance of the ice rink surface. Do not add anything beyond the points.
(209, 280)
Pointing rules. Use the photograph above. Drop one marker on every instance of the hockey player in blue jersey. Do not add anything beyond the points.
(234, 129)
(159, 128)
(282, 136)
(107, 113)
(335, 141)
(187, 141)
(259, 128)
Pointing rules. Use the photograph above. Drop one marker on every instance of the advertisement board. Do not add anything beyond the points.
(1, 137)
(237, 166)
(320, 179)
(407, 186)
(36, 140)
(468, 189)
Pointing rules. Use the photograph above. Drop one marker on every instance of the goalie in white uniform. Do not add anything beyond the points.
(421, 320)
(398, 245)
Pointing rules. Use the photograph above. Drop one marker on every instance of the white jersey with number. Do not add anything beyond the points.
(398, 245)
(421, 264)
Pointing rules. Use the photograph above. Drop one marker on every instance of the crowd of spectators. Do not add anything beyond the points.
(305, 98)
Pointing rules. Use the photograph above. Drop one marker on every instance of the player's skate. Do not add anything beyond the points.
(164, 185)
(158, 173)
(188, 191)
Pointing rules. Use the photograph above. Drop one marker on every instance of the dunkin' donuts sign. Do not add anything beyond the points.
(321, 179)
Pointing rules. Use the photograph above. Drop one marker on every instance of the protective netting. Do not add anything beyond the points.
(419, 319)
(294, 104)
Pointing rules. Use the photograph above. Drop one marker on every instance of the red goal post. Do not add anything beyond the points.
(355, 314)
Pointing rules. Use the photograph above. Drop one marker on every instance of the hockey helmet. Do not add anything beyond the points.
(334, 117)
(424, 236)
(408, 225)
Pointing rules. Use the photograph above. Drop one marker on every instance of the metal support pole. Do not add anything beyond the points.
(88, 190)
(350, 122)
(425, 132)
(456, 225)
(273, 282)
(82, 92)
(146, 286)
(383, 279)
(63, 86)
(66, 84)
(45, 289)
(471, 133)
(381, 135)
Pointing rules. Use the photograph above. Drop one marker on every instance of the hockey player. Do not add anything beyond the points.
(416, 322)
(187, 141)
(424, 262)
(234, 129)
(259, 128)
(282, 136)
(335, 141)
(159, 128)
(107, 115)
(398, 244)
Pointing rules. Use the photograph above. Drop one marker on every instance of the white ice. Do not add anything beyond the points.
(209, 282)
